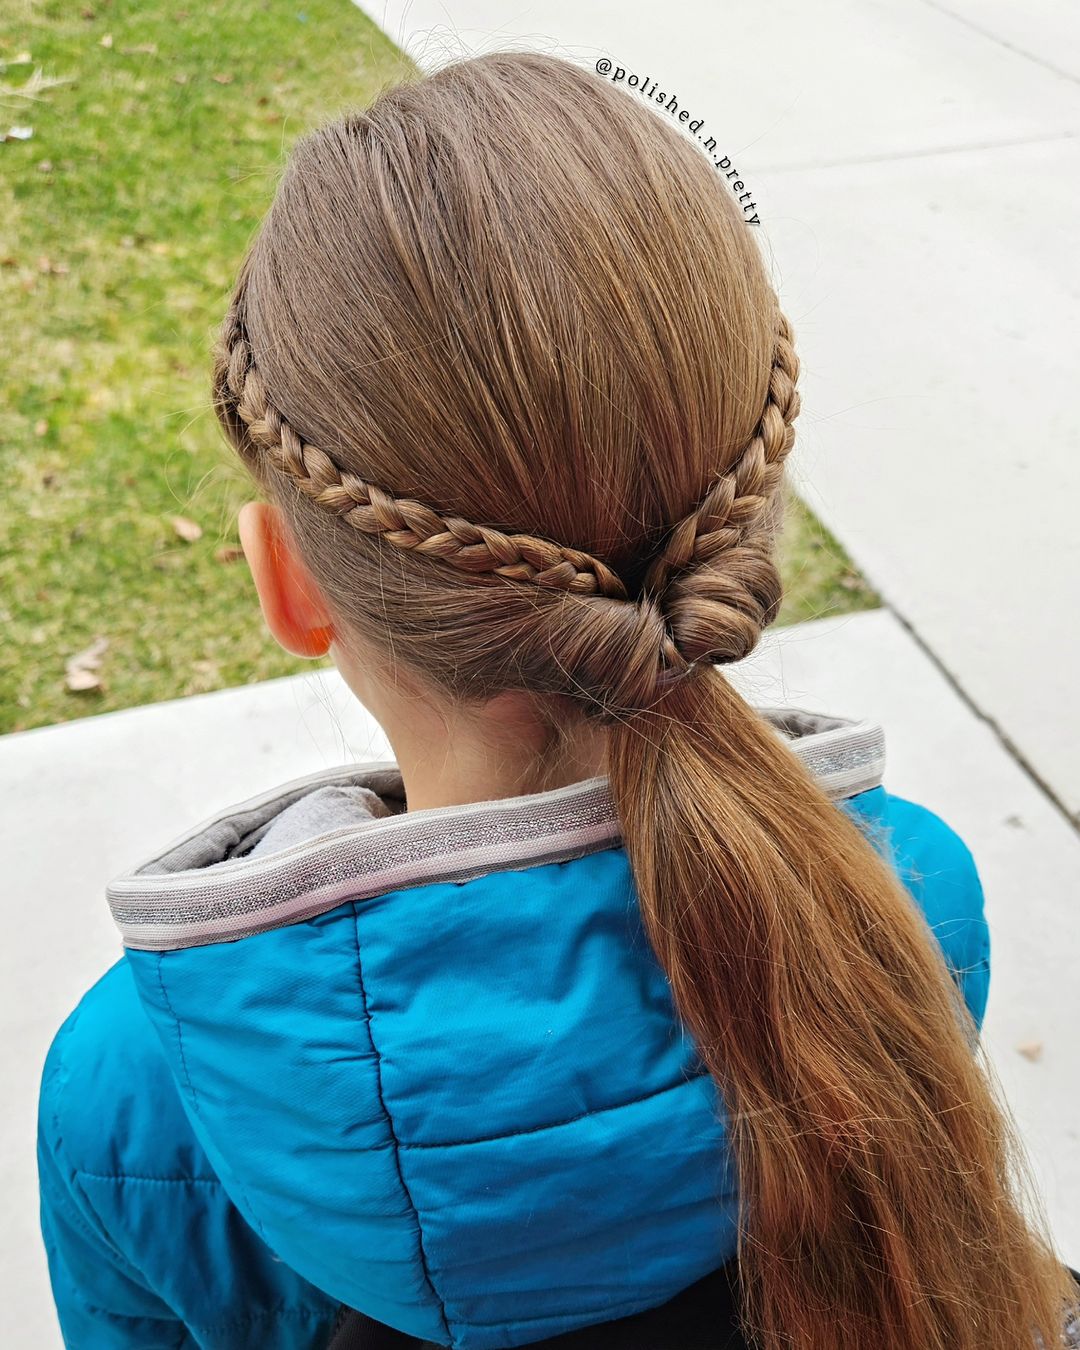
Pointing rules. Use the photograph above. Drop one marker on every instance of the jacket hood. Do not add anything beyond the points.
(268, 860)
(431, 1055)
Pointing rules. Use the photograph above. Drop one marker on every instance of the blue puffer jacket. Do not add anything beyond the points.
(421, 1063)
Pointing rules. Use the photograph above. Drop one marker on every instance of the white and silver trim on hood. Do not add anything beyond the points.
(201, 889)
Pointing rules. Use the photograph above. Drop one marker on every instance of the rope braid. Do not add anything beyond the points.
(713, 586)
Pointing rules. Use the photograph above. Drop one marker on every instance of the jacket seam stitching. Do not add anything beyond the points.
(283, 1311)
(255, 1221)
(393, 1132)
(57, 1145)
(610, 1311)
(405, 1144)
(101, 1234)
(108, 1313)
(179, 1032)
(136, 1176)
(307, 1314)
(559, 1124)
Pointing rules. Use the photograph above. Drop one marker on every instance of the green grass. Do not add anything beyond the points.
(122, 220)
(819, 578)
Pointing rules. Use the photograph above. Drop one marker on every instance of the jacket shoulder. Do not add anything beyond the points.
(125, 1184)
(107, 1090)
(938, 868)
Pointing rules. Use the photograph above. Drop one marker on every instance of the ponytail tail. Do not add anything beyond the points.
(878, 1206)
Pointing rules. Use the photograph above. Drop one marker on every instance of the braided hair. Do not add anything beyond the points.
(716, 558)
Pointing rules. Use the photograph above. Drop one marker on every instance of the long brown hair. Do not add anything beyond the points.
(507, 356)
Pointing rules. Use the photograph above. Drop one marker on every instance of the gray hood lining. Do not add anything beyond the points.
(203, 888)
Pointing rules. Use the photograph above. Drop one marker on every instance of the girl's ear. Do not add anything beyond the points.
(292, 604)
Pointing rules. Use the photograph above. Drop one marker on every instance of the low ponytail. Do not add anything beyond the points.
(876, 1202)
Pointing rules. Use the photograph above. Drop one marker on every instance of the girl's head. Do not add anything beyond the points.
(498, 335)
(506, 359)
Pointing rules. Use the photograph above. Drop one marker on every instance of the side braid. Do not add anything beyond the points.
(407, 524)
(738, 502)
(716, 575)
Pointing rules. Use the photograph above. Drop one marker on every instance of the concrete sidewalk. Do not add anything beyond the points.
(82, 801)
(915, 170)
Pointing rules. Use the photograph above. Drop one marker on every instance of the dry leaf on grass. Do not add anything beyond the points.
(1031, 1050)
(205, 675)
(82, 668)
(186, 529)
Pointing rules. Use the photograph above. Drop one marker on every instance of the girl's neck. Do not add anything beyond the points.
(509, 748)
(451, 753)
